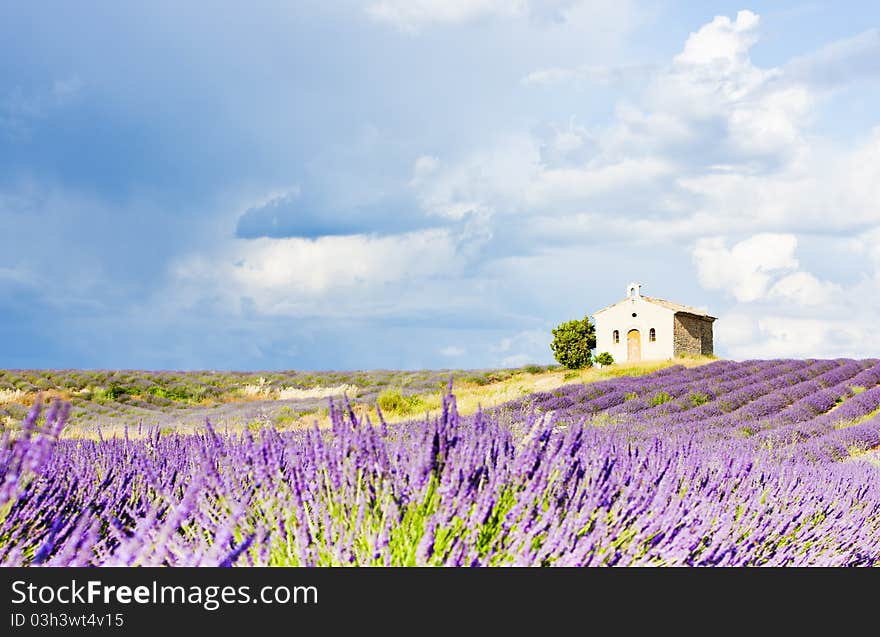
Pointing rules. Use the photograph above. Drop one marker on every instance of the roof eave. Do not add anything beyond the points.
(701, 316)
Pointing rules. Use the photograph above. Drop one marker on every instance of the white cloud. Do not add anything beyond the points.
(736, 330)
(558, 187)
(663, 154)
(569, 140)
(603, 75)
(722, 41)
(412, 15)
(803, 288)
(517, 360)
(746, 269)
(867, 244)
(604, 20)
(782, 311)
(549, 76)
(714, 154)
(795, 337)
(842, 62)
(484, 183)
(453, 351)
(424, 167)
(17, 276)
(527, 346)
(297, 276)
(503, 346)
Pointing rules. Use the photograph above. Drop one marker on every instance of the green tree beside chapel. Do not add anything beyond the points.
(572, 343)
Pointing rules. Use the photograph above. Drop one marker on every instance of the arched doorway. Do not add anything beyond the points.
(633, 346)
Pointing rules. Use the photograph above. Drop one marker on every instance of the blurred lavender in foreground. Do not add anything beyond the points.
(752, 463)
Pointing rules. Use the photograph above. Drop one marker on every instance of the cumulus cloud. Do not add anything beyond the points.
(776, 336)
(803, 288)
(718, 153)
(706, 122)
(746, 269)
(722, 41)
(781, 310)
(707, 159)
(329, 275)
(484, 183)
(565, 187)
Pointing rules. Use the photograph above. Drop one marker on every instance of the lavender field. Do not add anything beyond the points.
(110, 399)
(731, 463)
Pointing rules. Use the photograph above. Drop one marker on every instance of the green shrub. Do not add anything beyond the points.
(659, 398)
(605, 359)
(499, 375)
(534, 369)
(572, 342)
(176, 392)
(391, 401)
(115, 391)
(698, 398)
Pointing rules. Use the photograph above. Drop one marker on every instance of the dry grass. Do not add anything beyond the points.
(256, 391)
(262, 391)
(27, 399)
(11, 396)
(471, 396)
(295, 393)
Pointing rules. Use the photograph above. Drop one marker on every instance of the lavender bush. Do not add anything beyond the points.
(752, 463)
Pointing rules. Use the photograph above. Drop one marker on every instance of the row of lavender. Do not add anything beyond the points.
(820, 410)
(725, 464)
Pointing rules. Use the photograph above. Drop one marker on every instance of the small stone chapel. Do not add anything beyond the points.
(644, 328)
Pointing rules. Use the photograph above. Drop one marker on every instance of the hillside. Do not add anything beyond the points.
(753, 463)
(181, 401)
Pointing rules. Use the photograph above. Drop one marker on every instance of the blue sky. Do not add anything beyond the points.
(426, 183)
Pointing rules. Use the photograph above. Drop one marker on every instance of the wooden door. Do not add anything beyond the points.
(633, 346)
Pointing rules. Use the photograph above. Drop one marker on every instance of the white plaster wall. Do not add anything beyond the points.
(648, 315)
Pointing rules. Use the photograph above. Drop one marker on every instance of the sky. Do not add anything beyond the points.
(431, 183)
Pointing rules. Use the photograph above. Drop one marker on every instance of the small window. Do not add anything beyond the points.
(634, 314)
(652, 335)
(616, 337)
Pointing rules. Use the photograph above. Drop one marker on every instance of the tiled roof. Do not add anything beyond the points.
(669, 305)
(677, 307)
